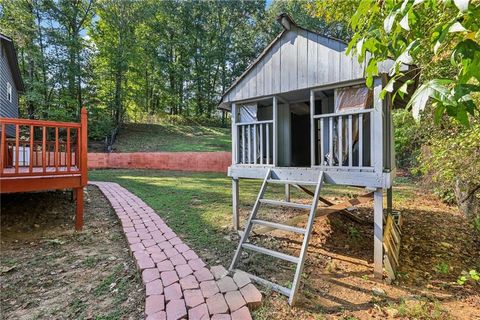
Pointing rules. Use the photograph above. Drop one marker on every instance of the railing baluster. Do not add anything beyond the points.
(68, 155)
(330, 140)
(254, 144)
(360, 140)
(350, 141)
(4, 148)
(44, 147)
(17, 147)
(31, 148)
(249, 145)
(55, 154)
(267, 135)
(340, 140)
(322, 142)
(261, 143)
(244, 147)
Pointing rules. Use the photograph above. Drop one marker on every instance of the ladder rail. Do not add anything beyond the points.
(248, 226)
(306, 239)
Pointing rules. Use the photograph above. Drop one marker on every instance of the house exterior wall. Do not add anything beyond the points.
(7, 109)
(299, 59)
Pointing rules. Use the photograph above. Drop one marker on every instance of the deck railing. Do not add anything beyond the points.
(41, 148)
(343, 140)
(254, 143)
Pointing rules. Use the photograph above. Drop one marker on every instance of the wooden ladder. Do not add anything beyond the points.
(252, 220)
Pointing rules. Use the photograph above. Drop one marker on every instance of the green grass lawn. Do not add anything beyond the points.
(168, 137)
(197, 206)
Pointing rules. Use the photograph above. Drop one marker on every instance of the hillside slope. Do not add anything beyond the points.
(174, 138)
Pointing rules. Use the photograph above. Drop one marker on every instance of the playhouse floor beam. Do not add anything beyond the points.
(378, 233)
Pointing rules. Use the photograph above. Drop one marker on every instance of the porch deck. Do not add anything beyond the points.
(45, 155)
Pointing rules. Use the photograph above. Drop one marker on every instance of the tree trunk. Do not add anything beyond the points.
(468, 199)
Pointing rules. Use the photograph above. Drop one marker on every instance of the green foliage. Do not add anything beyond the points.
(472, 275)
(408, 138)
(396, 29)
(451, 157)
(442, 268)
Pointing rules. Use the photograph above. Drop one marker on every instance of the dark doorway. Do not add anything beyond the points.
(300, 127)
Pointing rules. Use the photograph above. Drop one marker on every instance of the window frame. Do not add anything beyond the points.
(9, 92)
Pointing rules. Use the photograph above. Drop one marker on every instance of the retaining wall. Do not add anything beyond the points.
(183, 161)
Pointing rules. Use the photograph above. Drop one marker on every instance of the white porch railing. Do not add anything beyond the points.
(254, 142)
(341, 142)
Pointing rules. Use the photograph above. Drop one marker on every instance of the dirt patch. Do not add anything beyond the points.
(437, 246)
(49, 271)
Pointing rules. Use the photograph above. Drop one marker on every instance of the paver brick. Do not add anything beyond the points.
(241, 314)
(169, 277)
(226, 284)
(193, 297)
(178, 259)
(145, 263)
(174, 241)
(154, 249)
(148, 243)
(200, 312)
(182, 247)
(173, 292)
(170, 252)
(252, 296)
(221, 316)
(190, 255)
(203, 275)
(234, 300)
(217, 304)
(137, 247)
(218, 272)
(150, 275)
(169, 235)
(161, 315)
(154, 287)
(133, 240)
(154, 303)
(241, 279)
(209, 288)
(164, 245)
(165, 265)
(183, 270)
(189, 282)
(196, 264)
(176, 309)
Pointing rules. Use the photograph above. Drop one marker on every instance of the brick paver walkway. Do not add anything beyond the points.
(178, 284)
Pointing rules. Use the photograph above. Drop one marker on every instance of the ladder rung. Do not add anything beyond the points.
(285, 204)
(279, 226)
(302, 183)
(274, 286)
(272, 253)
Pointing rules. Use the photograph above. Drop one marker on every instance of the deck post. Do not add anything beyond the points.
(84, 147)
(312, 129)
(378, 233)
(235, 144)
(79, 209)
(275, 131)
(235, 204)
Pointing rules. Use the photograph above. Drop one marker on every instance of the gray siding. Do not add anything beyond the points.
(300, 59)
(7, 109)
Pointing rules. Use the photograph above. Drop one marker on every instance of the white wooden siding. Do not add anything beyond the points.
(299, 59)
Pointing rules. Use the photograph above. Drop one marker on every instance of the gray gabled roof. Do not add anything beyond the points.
(12, 59)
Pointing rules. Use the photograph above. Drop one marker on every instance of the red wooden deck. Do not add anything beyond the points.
(45, 155)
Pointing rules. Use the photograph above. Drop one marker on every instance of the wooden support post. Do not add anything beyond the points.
(275, 131)
(378, 233)
(389, 200)
(84, 147)
(312, 129)
(79, 209)
(235, 143)
(235, 204)
(287, 192)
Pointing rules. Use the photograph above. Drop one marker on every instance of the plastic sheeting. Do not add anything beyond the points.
(347, 100)
(353, 98)
(249, 113)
